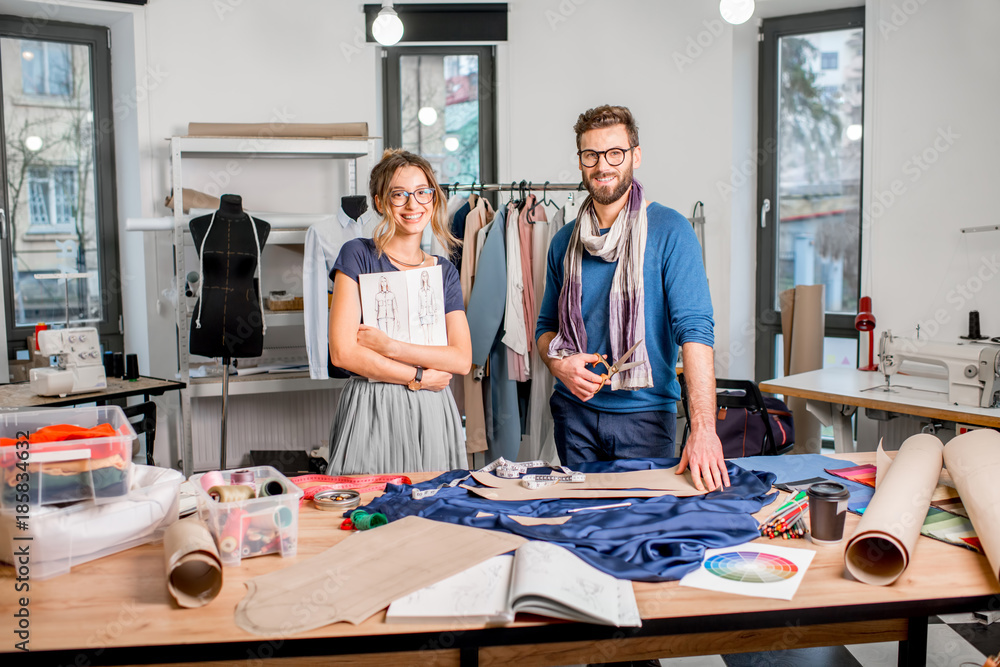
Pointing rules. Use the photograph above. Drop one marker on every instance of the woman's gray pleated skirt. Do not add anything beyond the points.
(385, 428)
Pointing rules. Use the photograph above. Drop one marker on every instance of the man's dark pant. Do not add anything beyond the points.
(583, 434)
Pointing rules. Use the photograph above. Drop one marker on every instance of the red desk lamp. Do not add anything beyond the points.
(865, 321)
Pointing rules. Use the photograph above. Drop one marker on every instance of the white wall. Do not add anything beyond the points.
(931, 144)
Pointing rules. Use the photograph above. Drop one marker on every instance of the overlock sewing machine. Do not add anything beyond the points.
(973, 369)
(79, 367)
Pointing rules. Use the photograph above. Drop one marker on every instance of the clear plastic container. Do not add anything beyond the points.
(61, 466)
(267, 524)
(62, 538)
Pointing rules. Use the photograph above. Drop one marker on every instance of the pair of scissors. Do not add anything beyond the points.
(619, 366)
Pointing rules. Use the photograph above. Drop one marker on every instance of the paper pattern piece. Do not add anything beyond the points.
(883, 543)
(973, 461)
(349, 583)
(864, 474)
(406, 305)
(194, 569)
(753, 569)
(633, 484)
(540, 578)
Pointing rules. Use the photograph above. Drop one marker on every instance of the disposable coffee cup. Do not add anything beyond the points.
(827, 511)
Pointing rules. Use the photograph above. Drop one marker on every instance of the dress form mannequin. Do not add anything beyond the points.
(228, 311)
(229, 318)
(354, 205)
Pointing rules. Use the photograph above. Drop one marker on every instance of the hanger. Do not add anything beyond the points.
(541, 201)
(522, 194)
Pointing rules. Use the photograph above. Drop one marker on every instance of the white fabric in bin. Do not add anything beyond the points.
(68, 536)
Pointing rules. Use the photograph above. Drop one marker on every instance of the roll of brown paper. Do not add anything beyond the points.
(973, 461)
(803, 320)
(194, 570)
(883, 543)
(283, 130)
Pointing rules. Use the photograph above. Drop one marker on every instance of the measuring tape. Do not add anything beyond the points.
(313, 484)
(541, 481)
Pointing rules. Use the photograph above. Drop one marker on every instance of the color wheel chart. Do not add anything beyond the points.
(751, 567)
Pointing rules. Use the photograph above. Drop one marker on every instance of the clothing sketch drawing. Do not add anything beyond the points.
(427, 310)
(386, 310)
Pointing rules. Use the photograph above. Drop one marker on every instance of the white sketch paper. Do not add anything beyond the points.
(405, 305)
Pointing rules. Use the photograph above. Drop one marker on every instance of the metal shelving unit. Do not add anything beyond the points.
(185, 148)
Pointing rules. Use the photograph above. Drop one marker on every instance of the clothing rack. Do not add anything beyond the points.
(522, 187)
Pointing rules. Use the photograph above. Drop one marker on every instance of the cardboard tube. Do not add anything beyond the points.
(973, 461)
(194, 571)
(883, 543)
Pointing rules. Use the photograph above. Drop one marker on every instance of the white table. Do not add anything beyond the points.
(835, 394)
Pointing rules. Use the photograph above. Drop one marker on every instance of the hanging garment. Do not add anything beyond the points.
(539, 442)
(653, 539)
(485, 314)
(472, 390)
(323, 242)
(514, 328)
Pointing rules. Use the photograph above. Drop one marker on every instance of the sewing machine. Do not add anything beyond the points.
(79, 368)
(972, 369)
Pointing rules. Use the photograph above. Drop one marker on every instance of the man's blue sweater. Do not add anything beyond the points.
(677, 304)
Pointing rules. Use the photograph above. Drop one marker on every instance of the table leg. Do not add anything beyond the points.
(913, 651)
(468, 656)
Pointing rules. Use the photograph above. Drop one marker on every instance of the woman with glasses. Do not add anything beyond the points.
(397, 413)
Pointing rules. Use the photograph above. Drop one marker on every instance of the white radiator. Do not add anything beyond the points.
(297, 420)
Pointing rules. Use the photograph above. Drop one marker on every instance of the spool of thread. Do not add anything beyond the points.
(118, 365)
(109, 364)
(362, 520)
(244, 478)
(271, 487)
(213, 478)
(283, 517)
(131, 367)
(974, 331)
(193, 278)
(230, 493)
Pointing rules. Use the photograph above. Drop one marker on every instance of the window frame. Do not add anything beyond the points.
(392, 94)
(838, 325)
(97, 39)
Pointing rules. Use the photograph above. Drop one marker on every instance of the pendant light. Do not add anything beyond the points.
(736, 11)
(387, 29)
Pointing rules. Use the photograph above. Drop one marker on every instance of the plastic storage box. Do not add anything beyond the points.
(62, 538)
(46, 457)
(253, 527)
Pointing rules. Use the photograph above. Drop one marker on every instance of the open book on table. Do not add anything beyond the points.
(540, 578)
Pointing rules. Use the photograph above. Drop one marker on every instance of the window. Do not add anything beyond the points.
(809, 182)
(58, 197)
(46, 68)
(439, 105)
(52, 193)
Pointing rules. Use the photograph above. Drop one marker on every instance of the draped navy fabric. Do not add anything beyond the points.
(653, 539)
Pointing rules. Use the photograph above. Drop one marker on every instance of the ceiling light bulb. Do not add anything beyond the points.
(387, 29)
(854, 132)
(736, 11)
(427, 116)
(451, 144)
(33, 143)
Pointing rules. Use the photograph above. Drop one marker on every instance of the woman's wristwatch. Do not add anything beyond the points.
(414, 384)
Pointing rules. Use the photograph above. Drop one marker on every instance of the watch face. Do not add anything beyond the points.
(414, 385)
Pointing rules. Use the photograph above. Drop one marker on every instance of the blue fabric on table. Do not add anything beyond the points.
(654, 539)
(794, 467)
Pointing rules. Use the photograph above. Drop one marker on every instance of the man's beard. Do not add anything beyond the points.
(601, 194)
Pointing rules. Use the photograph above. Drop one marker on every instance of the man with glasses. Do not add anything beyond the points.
(626, 289)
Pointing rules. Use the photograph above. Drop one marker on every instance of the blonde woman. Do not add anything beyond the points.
(396, 413)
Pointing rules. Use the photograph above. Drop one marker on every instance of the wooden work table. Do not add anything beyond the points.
(116, 610)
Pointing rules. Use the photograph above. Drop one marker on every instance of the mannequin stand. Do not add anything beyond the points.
(225, 395)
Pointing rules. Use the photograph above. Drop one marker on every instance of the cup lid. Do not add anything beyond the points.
(829, 491)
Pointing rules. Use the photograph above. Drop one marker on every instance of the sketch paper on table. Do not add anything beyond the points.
(406, 305)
